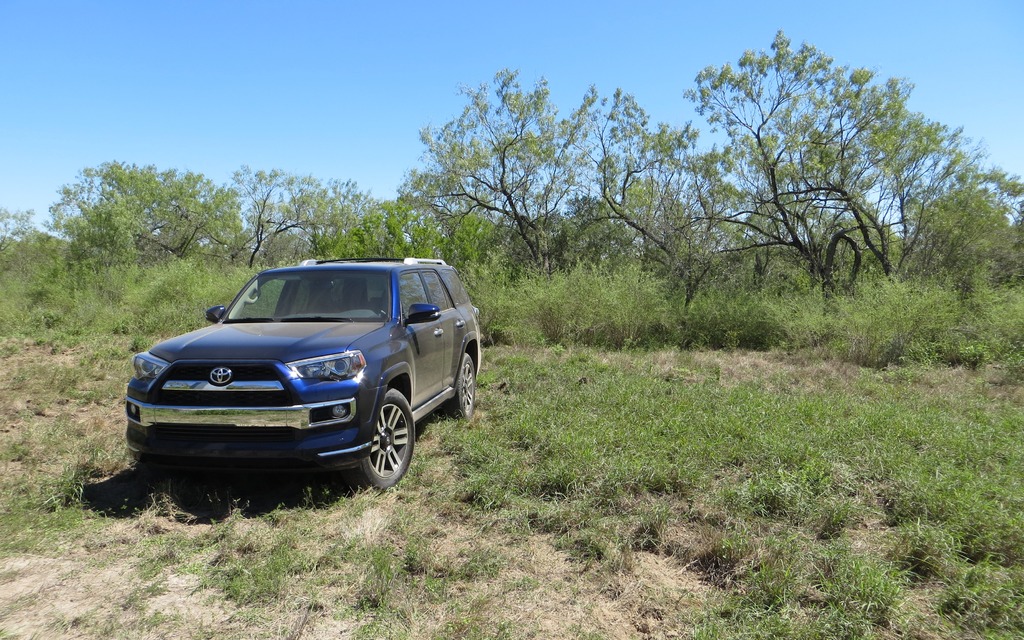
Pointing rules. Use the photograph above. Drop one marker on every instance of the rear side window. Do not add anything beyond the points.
(437, 294)
(451, 280)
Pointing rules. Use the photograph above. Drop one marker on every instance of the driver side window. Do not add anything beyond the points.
(410, 290)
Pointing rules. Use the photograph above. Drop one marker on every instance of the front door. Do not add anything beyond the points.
(427, 340)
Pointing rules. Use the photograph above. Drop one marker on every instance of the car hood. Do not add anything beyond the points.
(283, 341)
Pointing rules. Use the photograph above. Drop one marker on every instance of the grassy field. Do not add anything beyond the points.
(633, 494)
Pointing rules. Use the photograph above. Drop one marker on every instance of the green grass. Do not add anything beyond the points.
(798, 497)
(610, 451)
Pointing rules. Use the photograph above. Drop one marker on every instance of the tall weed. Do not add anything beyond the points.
(732, 319)
(894, 322)
(171, 300)
(594, 307)
(69, 304)
(49, 299)
(885, 323)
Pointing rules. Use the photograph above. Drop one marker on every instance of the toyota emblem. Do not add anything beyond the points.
(220, 376)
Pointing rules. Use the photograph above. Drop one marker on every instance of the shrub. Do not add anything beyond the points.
(731, 320)
(171, 299)
(893, 322)
(71, 304)
(586, 306)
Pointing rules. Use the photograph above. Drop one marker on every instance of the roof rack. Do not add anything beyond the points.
(312, 262)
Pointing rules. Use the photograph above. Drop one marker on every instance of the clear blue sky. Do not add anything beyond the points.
(342, 89)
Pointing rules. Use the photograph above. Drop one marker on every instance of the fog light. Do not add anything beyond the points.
(339, 411)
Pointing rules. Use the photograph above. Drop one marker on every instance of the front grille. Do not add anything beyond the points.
(205, 433)
(240, 373)
(183, 398)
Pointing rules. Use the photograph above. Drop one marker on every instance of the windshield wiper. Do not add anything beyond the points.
(316, 319)
(243, 320)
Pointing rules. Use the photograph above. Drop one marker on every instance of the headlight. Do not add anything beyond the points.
(147, 366)
(334, 367)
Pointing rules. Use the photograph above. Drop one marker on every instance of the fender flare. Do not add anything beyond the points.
(468, 338)
(398, 368)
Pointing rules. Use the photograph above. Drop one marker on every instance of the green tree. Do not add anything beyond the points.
(830, 162)
(913, 167)
(508, 157)
(472, 241)
(118, 214)
(1008, 261)
(341, 205)
(390, 229)
(190, 216)
(652, 180)
(263, 216)
(14, 225)
(973, 231)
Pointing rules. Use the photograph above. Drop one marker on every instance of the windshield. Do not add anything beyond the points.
(313, 296)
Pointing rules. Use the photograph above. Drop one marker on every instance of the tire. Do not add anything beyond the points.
(394, 439)
(464, 402)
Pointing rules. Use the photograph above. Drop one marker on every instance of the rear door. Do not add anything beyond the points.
(452, 325)
(427, 340)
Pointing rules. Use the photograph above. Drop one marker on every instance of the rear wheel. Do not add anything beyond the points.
(464, 402)
(394, 437)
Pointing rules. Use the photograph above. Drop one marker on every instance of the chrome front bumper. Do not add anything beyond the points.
(296, 417)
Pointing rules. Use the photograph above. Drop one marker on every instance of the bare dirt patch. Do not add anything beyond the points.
(55, 594)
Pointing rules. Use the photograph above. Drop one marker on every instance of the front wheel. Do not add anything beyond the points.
(464, 402)
(394, 437)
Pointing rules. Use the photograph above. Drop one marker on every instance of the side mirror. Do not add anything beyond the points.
(214, 314)
(420, 312)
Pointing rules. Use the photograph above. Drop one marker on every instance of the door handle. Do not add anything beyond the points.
(439, 332)
(460, 323)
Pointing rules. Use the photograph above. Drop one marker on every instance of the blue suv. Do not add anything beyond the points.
(328, 364)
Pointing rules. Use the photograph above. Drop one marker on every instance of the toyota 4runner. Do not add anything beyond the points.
(328, 364)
